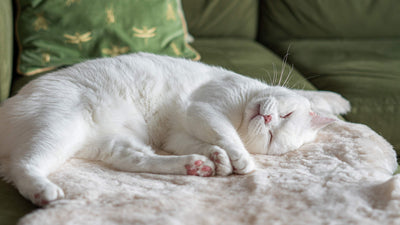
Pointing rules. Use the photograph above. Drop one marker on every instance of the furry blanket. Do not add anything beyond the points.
(344, 177)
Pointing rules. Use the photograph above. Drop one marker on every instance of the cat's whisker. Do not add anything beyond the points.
(289, 77)
(275, 74)
(270, 78)
(283, 68)
(307, 78)
(284, 62)
(294, 86)
(312, 77)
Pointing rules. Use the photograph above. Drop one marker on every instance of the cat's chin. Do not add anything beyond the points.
(266, 143)
(255, 148)
(279, 151)
(258, 144)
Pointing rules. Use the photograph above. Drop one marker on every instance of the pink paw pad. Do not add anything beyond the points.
(198, 169)
(198, 163)
(44, 202)
(37, 196)
(40, 201)
(206, 169)
(214, 157)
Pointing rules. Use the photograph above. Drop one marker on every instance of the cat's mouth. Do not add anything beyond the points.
(270, 138)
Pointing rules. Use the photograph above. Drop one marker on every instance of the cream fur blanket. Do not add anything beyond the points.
(344, 177)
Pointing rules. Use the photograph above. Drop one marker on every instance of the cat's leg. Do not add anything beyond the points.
(41, 150)
(131, 155)
(208, 125)
(181, 143)
(326, 102)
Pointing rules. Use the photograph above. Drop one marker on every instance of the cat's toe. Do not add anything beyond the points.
(243, 165)
(202, 168)
(222, 163)
(46, 194)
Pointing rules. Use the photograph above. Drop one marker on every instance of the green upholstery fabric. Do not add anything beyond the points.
(53, 33)
(222, 18)
(247, 58)
(20, 80)
(12, 205)
(6, 46)
(293, 19)
(367, 72)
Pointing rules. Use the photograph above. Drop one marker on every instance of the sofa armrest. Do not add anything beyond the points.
(6, 47)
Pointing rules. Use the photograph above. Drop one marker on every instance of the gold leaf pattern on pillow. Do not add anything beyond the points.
(144, 33)
(40, 22)
(170, 12)
(110, 15)
(115, 50)
(45, 58)
(70, 2)
(78, 38)
(55, 33)
(176, 49)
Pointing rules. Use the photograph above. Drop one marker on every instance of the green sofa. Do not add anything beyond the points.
(348, 46)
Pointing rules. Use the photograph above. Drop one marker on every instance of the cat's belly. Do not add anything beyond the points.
(160, 121)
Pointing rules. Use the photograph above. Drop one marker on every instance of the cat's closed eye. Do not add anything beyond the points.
(287, 115)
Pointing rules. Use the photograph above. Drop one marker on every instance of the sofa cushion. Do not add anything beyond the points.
(13, 206)
(222, 18)
(248, 58)
(53, 33)
(367, 72)
(288, 19)
(6, 45)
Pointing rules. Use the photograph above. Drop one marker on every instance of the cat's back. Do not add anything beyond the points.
(133, 77)
(140, 75)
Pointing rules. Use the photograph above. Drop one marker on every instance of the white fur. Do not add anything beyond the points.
(119, 109)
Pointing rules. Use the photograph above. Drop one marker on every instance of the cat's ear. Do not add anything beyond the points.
(326, 102)
(318, 121)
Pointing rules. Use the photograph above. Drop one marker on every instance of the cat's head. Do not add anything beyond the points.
(278, 120)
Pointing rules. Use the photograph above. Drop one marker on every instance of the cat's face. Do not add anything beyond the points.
(278, 120)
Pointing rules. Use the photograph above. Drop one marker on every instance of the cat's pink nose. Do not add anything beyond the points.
(267, 118)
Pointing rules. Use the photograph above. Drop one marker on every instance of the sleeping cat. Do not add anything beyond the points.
(118, 110)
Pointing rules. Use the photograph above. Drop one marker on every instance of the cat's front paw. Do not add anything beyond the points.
(223, 166)
(243, 164)
(43, 194)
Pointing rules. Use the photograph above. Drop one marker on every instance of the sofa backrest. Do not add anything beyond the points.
(6, 46)
(289, 19)
(222, 18)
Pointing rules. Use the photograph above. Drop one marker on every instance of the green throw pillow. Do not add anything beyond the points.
(54, 33)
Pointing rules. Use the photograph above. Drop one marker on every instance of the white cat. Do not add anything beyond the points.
(120, 109)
